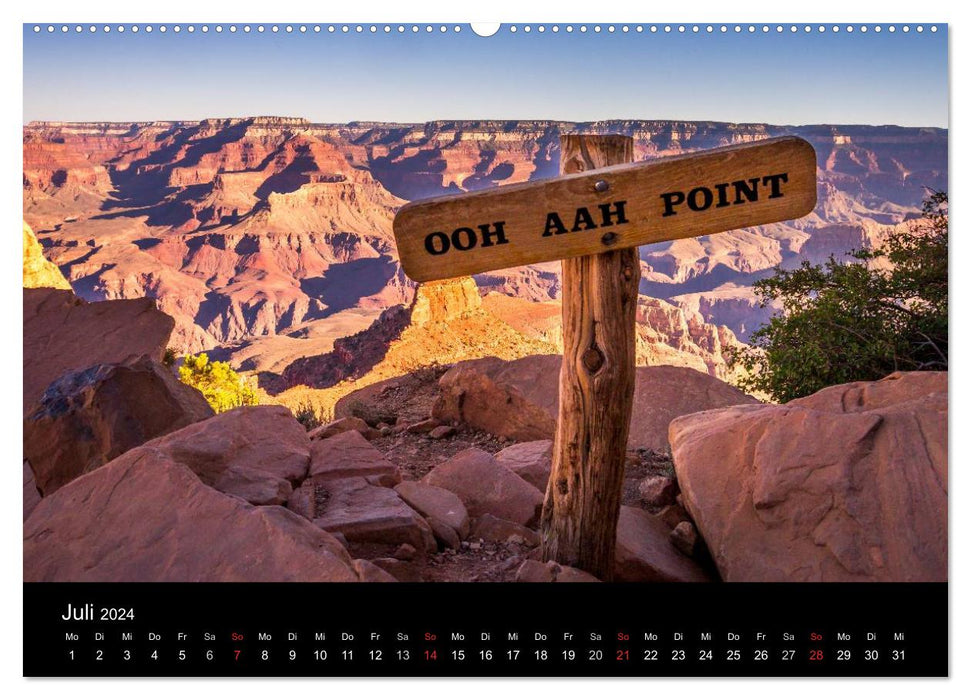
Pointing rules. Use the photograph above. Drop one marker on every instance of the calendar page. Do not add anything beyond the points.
(345, 343)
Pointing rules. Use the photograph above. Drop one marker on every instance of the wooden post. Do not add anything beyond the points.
(579, 521)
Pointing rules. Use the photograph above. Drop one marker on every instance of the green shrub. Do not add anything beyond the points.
(223, 388)
(306, 414)
(855, 321)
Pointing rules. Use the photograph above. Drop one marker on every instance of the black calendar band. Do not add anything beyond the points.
(496, 630)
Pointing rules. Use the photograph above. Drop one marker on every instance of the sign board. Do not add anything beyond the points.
(620, 206)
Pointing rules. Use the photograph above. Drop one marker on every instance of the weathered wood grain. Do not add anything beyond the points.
(579, 520)
(524, 209)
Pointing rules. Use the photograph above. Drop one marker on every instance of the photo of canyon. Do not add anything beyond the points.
(228, 376)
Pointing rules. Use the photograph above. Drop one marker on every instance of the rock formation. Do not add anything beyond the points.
(88, 417)
(63, 333)
(244, 228)
(528, 391)
(146, 517)
(445, 323)
(38, 270)
(849, 484)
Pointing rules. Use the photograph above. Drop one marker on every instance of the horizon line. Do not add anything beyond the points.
(473, 119)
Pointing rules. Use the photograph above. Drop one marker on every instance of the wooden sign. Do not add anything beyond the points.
(615, 207)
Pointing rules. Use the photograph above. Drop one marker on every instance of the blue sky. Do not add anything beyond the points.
(899, 78)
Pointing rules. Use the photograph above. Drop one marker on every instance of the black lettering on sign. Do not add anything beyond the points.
(465, 238)
(611, 214)
(744, 191)
(671, 200)
(742, 187)
(608, 215)
(437, 243)
(583, 217)
(554, 225)
(493, 235)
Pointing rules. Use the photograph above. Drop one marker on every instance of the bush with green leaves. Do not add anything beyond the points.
(856, 320)
(223, 388)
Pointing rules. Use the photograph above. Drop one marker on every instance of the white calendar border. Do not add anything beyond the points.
(831, 11)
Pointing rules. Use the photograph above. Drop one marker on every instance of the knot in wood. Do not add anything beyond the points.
(628, 273)
(592, 359)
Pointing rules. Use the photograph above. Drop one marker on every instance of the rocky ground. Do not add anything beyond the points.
(440, 475)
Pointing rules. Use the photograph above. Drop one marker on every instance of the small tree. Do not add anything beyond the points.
(858, 320)
(223, 388)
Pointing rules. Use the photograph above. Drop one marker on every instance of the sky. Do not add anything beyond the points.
(778, 78)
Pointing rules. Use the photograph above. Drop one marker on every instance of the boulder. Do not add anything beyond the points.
(684, 537)
(31, 494)
(442, 432)
(303, 500)
(488, 527)
(673, 514)
(372, 573)
(518, 399)
(397, 569)
(645, 552)
(366, 513)
(485, 486)
(88, 417)
(405, 552)
(254, 452)
(349, 454)
(532, 571)
(63, 333)
(657, 490)
(490, 394)
(423, 426)
(849, 484)
(530, 460)
(444, 534)
(434, 502)
(145, 517)
(342, 425)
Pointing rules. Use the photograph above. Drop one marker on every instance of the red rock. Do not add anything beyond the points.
(518, 399)
(254, 452)
(551, 572)
(434, 502)
(349, 454)
(145, 517)
(441, 432)
(63, 334)
(371, 573)
(302, 500)
(530, 460)
(366, 513)
(444, 534)
(657, 491)
(849, 484)
(645, 553)
(89, 417)
(493, 529)
(481, 394)
(342, 425)
(305, 210)
(424, 426)
(397, 569)
(405, 552)
(487, 487)
(673, 514)
(31, 494)
(684, 537)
